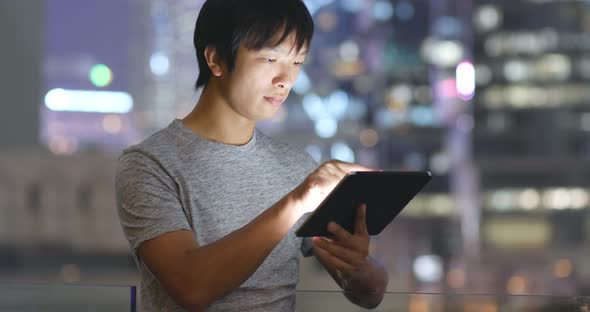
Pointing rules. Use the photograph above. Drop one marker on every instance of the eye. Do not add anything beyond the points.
(269, 60)
(298, 63)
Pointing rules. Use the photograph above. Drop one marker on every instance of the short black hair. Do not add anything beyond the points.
(227, 24)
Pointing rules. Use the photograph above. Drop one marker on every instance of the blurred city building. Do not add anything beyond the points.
(21, 83)
(531, 139)
(487, 95)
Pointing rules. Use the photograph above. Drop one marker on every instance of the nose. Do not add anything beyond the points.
(284, 79)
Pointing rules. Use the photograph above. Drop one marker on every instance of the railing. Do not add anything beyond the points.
(20, 297)
(414, 302)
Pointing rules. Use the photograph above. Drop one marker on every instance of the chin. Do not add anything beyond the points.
(263, 118)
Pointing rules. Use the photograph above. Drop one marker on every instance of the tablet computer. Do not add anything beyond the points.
(385, 193)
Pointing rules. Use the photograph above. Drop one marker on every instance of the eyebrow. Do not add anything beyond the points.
(283, 50)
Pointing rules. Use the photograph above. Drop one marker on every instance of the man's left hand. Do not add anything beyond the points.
(346, 252)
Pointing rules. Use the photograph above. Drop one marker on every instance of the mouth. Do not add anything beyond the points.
(277, 101)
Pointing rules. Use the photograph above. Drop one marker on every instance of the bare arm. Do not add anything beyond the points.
(195, 276)
(214, 269)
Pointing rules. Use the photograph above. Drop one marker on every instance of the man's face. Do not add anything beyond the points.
(261, 80)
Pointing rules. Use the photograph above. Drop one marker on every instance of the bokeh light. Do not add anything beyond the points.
(101, 75)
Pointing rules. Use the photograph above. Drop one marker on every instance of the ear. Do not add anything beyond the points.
(213, 61)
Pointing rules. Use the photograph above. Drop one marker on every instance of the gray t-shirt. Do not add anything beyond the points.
(177, 180)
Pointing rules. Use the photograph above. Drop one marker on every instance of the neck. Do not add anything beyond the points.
(215, 120)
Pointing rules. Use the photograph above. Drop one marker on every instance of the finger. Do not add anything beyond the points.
(331, 240)
(337, 167)
(321, 184)
(336, 173)
(345, 254)
(332, 261)
(334, 170)
(361, 221)
(339, 233)
(348, 167)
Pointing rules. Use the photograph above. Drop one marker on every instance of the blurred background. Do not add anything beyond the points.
(491, 96)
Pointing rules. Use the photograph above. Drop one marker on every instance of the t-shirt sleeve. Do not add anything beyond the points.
(148, 203)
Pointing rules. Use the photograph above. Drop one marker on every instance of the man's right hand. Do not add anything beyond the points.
(316, 187)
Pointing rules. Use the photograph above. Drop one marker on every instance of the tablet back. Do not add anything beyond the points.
(386, 193)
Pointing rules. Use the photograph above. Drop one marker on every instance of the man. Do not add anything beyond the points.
(210, 204)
